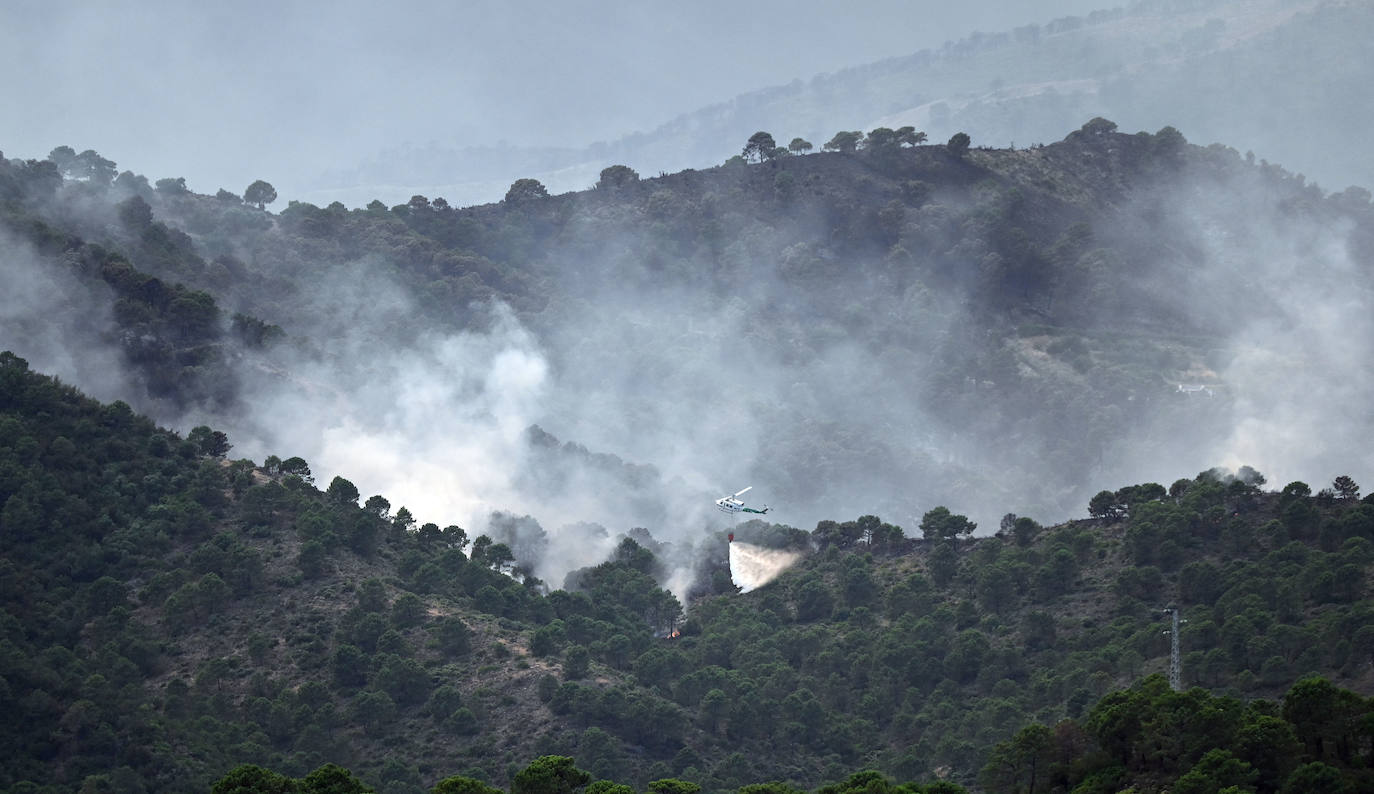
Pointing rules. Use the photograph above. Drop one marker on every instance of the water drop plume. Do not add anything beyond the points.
(752, 566)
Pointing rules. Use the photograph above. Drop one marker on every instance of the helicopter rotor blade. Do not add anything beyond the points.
(737, 493)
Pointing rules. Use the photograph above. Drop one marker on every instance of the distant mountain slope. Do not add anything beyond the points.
(1283, 78)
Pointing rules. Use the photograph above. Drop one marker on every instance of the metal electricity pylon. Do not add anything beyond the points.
(1175, 660)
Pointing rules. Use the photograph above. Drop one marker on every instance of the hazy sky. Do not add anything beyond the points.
(223, 94)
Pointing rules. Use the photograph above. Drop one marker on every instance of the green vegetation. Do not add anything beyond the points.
(1150, 738)
(260, 193)
(1317, 740)
(170, 614)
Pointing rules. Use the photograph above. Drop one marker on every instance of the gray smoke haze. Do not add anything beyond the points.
(1296, 363)
(1286, 303)
(693, 382)
(53, 319)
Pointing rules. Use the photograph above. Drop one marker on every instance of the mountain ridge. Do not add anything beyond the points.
(977, 85)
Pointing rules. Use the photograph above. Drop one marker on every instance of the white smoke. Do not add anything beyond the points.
(1290, 358)
(436, 425)
(439, 422)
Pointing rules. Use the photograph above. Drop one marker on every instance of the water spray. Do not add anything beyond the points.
(752, 567)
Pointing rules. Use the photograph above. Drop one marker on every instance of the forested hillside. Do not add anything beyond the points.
(171, 614)
(1020, 324)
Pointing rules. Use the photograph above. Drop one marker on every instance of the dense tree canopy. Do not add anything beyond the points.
(260, 194)
(526, 190)
(616, 176)
(760, 146)
(844, 141)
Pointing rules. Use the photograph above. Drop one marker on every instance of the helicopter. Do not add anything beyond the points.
(733, 504)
